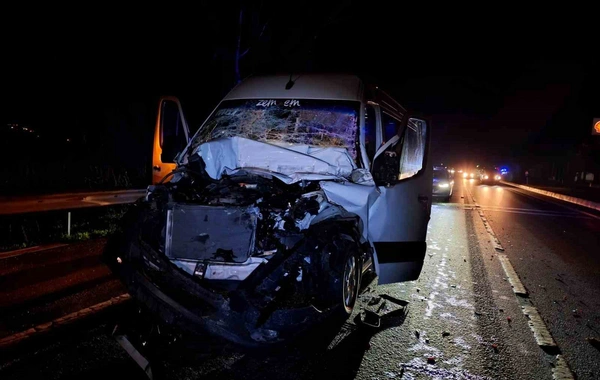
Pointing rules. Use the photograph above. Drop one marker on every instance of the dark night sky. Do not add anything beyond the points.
(495, 82)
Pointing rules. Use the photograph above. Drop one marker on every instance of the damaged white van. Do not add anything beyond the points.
(290, 191)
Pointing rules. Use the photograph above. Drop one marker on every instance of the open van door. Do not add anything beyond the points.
(171, 136)
(398, 219)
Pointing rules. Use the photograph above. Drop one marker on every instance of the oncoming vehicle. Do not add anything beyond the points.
(286, 196)
(442, 183)
(490, 177)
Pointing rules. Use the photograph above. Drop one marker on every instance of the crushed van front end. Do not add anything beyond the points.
(249, 259)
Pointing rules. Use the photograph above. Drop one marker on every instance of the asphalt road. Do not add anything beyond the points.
(555, 249)
(463, 320)
(39, 286)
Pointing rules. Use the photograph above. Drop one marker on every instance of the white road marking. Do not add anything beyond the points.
(537, 325)
(513, 278)
(561, 369)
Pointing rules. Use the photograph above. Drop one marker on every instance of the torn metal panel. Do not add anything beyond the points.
(289, 163)
(354, 198)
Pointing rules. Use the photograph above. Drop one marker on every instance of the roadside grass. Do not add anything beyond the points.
(26, 230)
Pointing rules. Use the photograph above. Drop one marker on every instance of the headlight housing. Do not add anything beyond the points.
(443, 184)
(497, 178)
(485, 177)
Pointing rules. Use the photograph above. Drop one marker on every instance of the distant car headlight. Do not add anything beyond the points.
(443, 184)
(485, 177)
(465, 175)
(497, 178)
(471, 175)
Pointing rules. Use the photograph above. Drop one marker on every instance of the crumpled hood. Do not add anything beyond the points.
(290, 164)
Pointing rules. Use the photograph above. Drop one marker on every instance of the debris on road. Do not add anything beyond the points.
(595, 342)
(431, 360)
(445, 333)
(417, 334)
(577, 313)
(374, 300)
(495, 347)
(509, 319)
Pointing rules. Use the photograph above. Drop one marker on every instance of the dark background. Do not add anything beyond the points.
(502, 84)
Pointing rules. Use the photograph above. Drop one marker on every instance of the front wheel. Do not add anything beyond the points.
(350, 283)
(341, 273)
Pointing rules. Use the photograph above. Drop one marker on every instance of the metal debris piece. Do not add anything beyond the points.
(370, 318)
(595, 342)
(395, 300)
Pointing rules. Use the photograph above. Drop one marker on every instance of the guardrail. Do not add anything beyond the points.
(562, 197)
(22, 205)
(69, 201)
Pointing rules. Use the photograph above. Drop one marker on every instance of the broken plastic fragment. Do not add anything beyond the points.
(445, 333)
(431, 360)
(417, 334)
(119, 260)
(299, 278)
(508, 319)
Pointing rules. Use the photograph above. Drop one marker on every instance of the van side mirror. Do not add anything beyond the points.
(385, 168)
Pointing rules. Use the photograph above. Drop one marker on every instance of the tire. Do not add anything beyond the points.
(343, 276)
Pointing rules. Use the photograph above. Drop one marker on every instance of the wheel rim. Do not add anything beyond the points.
(350, 283)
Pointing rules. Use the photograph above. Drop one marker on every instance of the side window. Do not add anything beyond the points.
(370, 132)
(413, 148)
(173, 139)
(390, 126)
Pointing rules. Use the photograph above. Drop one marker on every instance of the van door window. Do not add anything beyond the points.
(173, 139)
(370, 132)
(390, 126)
(413, 148)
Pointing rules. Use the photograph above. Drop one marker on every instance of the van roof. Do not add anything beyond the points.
(306, 86)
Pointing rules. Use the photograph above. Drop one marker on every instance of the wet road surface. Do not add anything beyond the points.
(463, 320)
